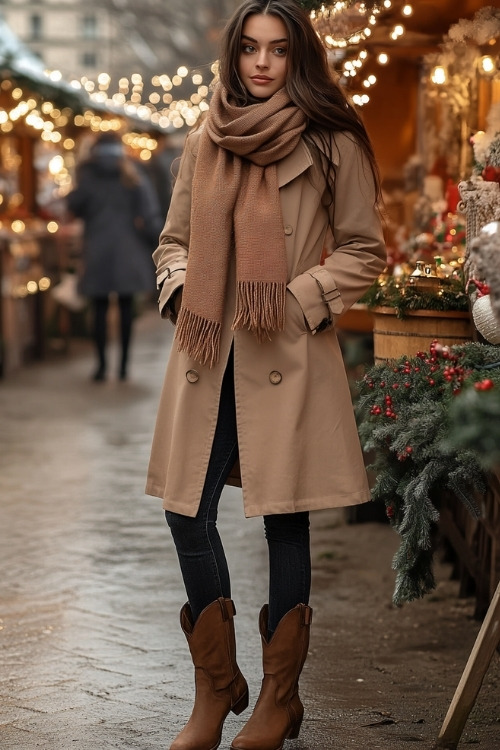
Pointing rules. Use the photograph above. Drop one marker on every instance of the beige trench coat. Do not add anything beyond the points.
(298, 442)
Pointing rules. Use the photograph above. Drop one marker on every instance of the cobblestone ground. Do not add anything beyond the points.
(91, 655)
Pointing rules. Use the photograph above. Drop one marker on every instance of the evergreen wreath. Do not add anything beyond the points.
(405, 410)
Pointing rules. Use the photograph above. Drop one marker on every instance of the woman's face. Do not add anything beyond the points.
(262, 63)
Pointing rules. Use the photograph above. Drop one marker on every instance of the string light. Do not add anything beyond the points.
(398, 31)
(439, 76)
(346, 22)
(352, 66)
(487, 65)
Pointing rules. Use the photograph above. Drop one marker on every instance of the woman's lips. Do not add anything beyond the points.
(261, 79)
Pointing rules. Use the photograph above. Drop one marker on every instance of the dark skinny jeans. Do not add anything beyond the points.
(199, 547)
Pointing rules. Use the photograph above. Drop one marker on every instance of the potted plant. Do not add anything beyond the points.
(409, 313)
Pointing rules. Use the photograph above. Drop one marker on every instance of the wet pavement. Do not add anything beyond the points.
(91, 654)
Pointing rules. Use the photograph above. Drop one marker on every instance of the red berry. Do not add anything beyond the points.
(484, 385)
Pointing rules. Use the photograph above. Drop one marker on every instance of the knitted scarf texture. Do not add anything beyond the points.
(236, 208)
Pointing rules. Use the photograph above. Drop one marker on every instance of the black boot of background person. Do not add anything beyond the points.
(100, 305)
(126, 304)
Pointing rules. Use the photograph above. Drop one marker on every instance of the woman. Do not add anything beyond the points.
(256, 376)
(121, 217)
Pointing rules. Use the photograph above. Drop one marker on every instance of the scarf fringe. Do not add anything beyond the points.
(260, 307)
(199, 337)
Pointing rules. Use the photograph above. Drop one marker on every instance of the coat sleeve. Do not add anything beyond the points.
(148, 217)
(170, 256)
(76, 200)
(359, 255)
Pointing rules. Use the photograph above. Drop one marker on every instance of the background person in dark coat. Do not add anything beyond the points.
(161, 169)
(122, 222)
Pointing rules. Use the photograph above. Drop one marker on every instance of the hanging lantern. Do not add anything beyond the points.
(345, 22)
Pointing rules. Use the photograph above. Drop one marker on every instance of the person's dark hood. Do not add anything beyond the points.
(107, 157)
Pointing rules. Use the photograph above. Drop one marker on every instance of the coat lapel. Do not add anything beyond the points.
(294, 164)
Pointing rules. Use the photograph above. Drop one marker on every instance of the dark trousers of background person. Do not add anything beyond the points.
(100, 332)
(199, 547)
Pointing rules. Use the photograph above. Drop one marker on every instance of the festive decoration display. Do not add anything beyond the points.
(485, 259)
(485, 320)
(345, 22)
(455, 73)
(403, 411)
(481, 203)
(486, 148)
(404, 293)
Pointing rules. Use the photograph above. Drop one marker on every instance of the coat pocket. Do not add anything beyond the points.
(294, 317)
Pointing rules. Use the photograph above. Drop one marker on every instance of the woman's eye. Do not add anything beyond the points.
(280, 51)
(248, 49)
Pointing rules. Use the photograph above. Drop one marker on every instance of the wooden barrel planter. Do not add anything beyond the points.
(394, 337)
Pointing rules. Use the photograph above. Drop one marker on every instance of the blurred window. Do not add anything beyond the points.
(89, 27)
(36, 26)
(89, 59)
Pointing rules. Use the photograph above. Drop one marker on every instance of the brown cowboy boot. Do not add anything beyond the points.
(278, 713)
(220, 686)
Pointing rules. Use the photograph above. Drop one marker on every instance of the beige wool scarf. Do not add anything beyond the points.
(236, 208)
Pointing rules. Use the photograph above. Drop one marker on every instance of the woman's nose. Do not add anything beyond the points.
(262, 60)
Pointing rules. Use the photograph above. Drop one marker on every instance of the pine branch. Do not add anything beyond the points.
(405, 412)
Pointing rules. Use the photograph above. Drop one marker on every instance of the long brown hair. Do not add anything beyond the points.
(309, 80)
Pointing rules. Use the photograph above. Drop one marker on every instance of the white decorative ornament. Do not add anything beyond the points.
(485, 321)
(67, 294)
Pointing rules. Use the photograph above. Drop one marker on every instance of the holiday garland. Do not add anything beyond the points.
(405, 412)
(405, 297)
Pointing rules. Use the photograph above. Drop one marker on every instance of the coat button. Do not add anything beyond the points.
(192, 376)
(275, 377)
(288, 229)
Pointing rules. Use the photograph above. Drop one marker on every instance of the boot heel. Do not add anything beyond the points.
(241, 704)
(295, 729)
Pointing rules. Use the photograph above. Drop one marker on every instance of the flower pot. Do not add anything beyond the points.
(394, 337)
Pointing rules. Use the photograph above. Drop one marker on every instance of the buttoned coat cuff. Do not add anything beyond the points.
(318, 296)
(168, 283)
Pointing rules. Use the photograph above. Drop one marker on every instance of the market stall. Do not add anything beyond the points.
(425, 382)
(457, 99)
(46, 126)
(35, 117)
